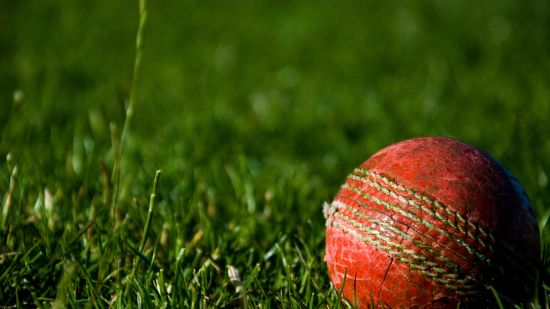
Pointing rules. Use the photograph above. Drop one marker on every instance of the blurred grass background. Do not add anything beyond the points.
(255, 111)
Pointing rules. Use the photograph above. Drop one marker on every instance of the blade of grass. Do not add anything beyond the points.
(497, 298)
(6, 205)
(152, 203)
(131, 103)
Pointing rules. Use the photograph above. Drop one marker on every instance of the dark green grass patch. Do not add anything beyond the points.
(255, 112)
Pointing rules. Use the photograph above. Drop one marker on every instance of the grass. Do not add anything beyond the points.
(255, 112)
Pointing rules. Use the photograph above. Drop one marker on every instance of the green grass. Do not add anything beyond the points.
(255, 112)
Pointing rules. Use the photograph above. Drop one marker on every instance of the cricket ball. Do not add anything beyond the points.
(432, 222)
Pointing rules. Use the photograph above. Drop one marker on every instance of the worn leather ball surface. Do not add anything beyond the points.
(432, 222)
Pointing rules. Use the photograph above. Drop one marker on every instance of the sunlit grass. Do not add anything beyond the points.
(255, 113)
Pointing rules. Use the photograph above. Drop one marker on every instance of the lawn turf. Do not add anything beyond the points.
(255, 111)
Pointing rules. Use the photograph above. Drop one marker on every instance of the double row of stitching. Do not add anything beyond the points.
(458, 258)
(460, 221)
(460, 286)
(416, 219)
(433, 210)
(448, 264)
(455, 224)
(410, 255)
(484, 238)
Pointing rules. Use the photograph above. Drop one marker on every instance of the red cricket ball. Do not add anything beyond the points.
(432, 222)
